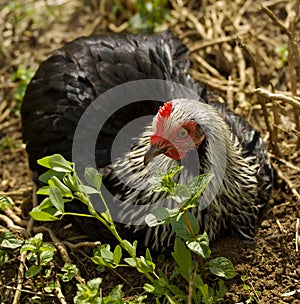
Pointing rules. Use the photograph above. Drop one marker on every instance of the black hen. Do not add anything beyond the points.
(75, 75)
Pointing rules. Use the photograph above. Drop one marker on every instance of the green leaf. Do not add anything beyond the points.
(174, 170)
(44, 162)
(149, 288)
(49, 174)
(183, 258)
(45, 211)
(43, 216)
(172, 300)
(4, 202)
(162, 215)
(46, 257)
(193, 221)
(181, 229)
(106, 253)
(56, 198)
(47, 247)
(93, 177)
(131, 248)
(94, 283)
(145, 266)
(89, 293)
(71, 181)
(181, 193)
(28, 247)
(117, 254)
(131, 262)
(164, 182)
(222, 267)
(114, 297)
(70, 271)
(88, 189)
(33, 243)
(148, 255)
(4, 256)
(51, 286)
(8, 240)
(45, 204)
(45, 190)
(48, 272)
(176, 291)
(197, 187)
(221, 289)
(98, 260)
(32, 271)
(58, 163)
(82, 197)
(103, 256)
(204, 288)
(200, 246)
(61, 186)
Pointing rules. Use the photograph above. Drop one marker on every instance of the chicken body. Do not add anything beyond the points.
(220, 142)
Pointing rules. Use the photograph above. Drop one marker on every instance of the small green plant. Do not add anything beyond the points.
(253, 295)
(25, 15)
(91, 293)
(151, 15)
(282, 52)
(8, 243)
(22, 76)
(8, 143)
(203, 276)
(40, 254)
(202, 286)
(4, 203)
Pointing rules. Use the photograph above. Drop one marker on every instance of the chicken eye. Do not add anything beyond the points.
(183, 133)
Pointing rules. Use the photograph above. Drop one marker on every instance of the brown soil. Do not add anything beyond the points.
(271, 265)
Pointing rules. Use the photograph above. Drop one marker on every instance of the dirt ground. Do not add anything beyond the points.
(235, 48)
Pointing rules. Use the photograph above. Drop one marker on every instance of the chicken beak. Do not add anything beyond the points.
(152, 152)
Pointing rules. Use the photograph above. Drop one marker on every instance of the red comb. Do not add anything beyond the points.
(163, 113)
(166, 110)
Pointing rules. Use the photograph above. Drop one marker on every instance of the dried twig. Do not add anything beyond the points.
(282, 230)
(34, 204)
(208, 67)
(201, 45)
(37, 293)
(252, 59)
(276, 20)
(60, 296)
(293, 53)
(287, 163)
(82, 244)
(20, 278)
(287, 181)
(297, 235)
(15, 218)
(19, 192)
(273, 96)
(10, 224)
(262, 100)
(9, 123)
